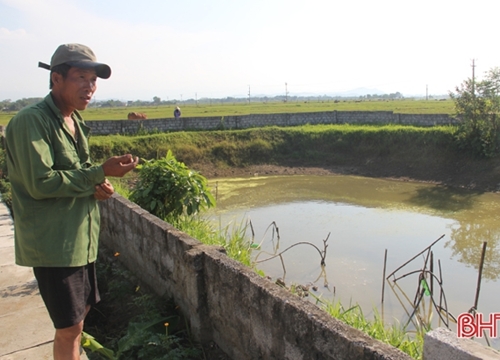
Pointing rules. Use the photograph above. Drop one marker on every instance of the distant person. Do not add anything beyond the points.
(177, 112)
(55, 189)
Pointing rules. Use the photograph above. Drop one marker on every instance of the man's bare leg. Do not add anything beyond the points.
(67, 341)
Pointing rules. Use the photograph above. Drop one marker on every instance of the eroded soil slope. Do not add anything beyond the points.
(457, 171)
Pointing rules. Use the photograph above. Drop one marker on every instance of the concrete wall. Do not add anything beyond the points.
(101, 127)
(444, 344)
(249, 317)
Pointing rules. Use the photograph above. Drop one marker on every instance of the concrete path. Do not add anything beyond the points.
(26, 330)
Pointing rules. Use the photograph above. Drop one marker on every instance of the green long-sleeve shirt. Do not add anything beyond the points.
(56, 217)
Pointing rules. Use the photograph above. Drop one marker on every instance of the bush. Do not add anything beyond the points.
(228, 152)
(258, 150)
(168, 187)
(5, 190)
(190, 153)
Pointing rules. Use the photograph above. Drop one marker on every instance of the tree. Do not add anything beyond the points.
(477, 106)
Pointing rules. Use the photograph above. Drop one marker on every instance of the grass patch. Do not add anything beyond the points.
(314, 145)
(394, 335)
(232, 238)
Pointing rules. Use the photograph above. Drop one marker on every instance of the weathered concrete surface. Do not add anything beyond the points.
(253, 318)
(444, 344)
(27, 332)
(248, 316)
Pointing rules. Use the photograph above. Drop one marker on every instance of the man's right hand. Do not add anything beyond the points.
(118, 166)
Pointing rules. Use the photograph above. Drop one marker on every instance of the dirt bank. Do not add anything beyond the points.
(473, 174)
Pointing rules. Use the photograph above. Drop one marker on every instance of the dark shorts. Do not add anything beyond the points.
(66, 292)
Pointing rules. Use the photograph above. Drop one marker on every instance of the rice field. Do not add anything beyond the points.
(405, 106)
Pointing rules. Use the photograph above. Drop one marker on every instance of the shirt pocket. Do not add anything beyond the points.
(66, 159)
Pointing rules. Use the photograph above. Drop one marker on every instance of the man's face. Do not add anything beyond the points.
(77, 88)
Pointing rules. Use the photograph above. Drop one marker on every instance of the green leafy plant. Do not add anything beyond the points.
(144, 340)
(167, 187)
(138, 334)
(90, 343)
(131, 322)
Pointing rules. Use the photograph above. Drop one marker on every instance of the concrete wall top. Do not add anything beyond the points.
(444, 344)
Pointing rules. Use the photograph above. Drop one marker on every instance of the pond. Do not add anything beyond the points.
(360, 218)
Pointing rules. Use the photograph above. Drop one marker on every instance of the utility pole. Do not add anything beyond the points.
(286, 92)
(196, 98)
(473, 91)
(426, 92)
(473, 78)
(249, 94)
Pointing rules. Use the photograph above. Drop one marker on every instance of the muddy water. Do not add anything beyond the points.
(360, 218)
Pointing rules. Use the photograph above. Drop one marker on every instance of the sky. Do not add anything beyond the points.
(193, 49)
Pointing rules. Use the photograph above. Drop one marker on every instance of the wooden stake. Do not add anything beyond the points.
(432, 272)
(478, 287)
(383, 276)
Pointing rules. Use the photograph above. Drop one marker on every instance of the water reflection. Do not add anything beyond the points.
(477, 214)
(466, 242)
(474, 226)
(444, 199)
(468, 235)
(365, 216)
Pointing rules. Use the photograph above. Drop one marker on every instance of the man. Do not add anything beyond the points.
(55, 189)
